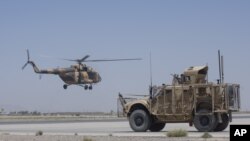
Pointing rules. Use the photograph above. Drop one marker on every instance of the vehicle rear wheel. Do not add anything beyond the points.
(222, 126)
(156, 127)
(139, 120)
(205, 122)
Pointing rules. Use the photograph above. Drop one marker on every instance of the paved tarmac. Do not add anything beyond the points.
(105, 128)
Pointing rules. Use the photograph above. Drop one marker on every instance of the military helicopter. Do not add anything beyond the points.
(77, 74)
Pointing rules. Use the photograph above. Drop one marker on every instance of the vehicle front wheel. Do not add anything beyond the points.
(139, 120)
(156, 127)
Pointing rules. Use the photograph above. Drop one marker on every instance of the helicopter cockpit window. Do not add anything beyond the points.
(85, 68)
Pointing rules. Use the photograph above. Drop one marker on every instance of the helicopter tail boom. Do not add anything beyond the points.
(45, 71)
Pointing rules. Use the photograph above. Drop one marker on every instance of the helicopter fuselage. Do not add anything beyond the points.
(80, 77)
(75, 74)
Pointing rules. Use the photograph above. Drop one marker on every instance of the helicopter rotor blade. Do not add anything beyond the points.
(102, 60)
(78, 60)
(69, 60)
(84, 58)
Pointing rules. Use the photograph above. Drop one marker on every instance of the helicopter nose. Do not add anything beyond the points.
(99, 78)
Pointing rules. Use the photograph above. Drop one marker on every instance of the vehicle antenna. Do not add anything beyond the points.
(151, 83)
(222, 69)
(219, 57)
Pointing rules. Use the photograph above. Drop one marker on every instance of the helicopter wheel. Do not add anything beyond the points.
(90, 87)
(86, 87)
(65, 86)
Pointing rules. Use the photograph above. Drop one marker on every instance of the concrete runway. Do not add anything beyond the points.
(105, 128)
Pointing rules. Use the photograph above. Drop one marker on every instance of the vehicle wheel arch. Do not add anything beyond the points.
(204, 105)
(136, 107)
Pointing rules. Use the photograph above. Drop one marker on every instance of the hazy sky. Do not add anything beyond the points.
(178, 33)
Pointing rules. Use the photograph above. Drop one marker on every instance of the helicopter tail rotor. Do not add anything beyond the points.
(28, 61)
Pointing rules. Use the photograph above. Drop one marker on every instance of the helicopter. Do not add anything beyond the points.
(77, 74)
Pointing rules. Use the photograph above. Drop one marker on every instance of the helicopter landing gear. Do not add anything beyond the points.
(86, 87)
(90, 87)
(65, 86)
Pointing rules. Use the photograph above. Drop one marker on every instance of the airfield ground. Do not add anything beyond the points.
(113, 129)
(99, 138)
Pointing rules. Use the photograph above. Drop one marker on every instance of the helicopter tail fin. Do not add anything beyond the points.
(30, 62)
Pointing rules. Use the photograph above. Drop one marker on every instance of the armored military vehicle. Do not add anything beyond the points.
(189, 99)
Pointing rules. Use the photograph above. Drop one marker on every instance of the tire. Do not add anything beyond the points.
(139, 121)
(205, 123)
(222, 126)
(156, 127)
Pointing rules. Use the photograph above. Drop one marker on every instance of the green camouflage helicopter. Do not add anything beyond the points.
(78, 74)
